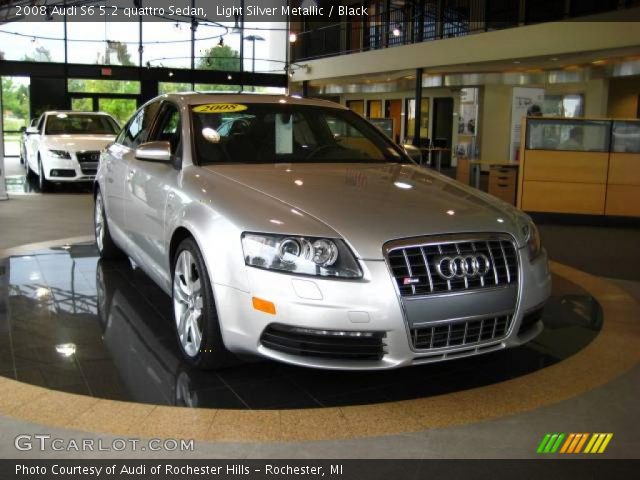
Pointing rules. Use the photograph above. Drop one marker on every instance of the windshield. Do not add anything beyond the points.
(278, 133)
(75, 124)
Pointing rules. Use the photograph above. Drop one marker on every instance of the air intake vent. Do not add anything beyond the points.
(457, 334)
(333, 344)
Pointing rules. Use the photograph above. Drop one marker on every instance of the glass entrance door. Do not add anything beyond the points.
(121, 107)
(82, 104)
(14, 108)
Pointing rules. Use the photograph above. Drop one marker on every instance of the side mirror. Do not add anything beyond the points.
(32, 130)
(23, 129)
(414, 153)
(154, 152)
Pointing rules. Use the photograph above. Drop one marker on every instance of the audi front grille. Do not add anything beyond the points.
(426, 267)
(89, 156)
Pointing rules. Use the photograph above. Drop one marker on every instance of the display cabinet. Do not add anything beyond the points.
(580, 166)
(623, 192)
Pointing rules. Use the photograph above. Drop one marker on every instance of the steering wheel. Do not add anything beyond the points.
(322, 148)
(239, 127)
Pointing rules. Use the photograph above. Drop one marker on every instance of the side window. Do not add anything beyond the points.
(41, 122)
(168, 128)
(137, 130)
(121, 136)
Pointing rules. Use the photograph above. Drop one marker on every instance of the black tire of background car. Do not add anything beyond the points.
(28, 172)
(110, 251)
(213, 354)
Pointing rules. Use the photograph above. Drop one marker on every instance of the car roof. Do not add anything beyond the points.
(73, 112)
(198, 98)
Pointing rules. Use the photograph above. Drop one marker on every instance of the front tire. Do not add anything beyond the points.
(106, 246)
(194, 311)
(43, 183)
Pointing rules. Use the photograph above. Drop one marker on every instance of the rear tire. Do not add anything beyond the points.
(194, 311)
(106, 246)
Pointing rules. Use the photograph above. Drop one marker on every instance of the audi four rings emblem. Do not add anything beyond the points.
(463, 266)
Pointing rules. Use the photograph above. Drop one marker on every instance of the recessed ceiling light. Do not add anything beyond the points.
(66, 349)
(451, 212)
(403, 185)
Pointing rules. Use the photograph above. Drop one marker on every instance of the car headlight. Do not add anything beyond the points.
(324, 257)
(60, 154)
(532, 235)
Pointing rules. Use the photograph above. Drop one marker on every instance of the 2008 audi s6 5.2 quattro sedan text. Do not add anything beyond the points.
(295, 230)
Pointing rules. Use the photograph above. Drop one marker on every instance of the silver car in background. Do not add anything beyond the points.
(294, 230)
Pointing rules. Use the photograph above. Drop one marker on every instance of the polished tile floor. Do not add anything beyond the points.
(73, 323)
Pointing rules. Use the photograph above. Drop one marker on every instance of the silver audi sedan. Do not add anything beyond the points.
(295, 230)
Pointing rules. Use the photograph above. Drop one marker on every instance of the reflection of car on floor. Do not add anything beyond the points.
(147, 361)
(65, 146)
(308, 237)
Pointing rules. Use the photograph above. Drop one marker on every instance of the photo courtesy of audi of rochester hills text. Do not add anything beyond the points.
(304, 239)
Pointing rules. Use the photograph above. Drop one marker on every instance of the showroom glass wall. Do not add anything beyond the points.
(184, 44)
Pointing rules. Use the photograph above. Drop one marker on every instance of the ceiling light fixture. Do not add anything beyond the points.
(66, 349)
(236, 27)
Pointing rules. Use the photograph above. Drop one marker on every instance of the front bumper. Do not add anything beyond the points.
(69, 170)
(370, 305)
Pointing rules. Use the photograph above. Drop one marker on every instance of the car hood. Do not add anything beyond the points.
(76, 143)
(371, 204)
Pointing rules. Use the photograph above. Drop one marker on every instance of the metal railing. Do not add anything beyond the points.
(415, 21)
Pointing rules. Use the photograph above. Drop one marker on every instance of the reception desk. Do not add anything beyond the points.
(580, 166)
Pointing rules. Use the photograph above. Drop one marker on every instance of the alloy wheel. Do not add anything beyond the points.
(188, 303)
(99, 223)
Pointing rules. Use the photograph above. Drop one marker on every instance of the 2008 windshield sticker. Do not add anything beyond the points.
(219, 108)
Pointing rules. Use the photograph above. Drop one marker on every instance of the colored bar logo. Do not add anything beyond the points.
(574, 443)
